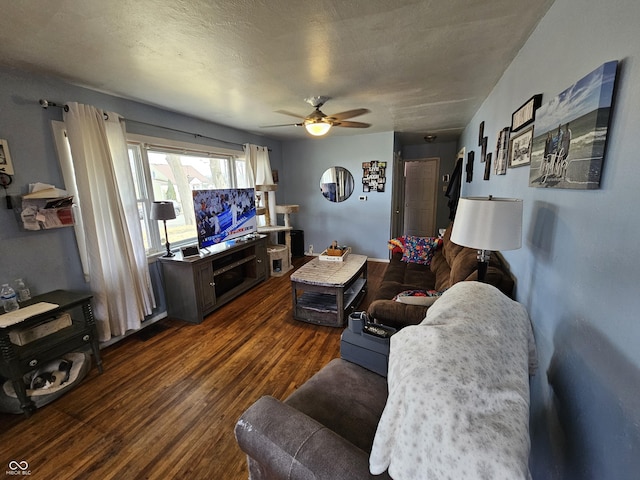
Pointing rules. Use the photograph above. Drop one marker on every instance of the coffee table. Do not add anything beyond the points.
(325, 293)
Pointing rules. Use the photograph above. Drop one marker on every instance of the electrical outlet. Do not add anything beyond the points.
(363, 198)
(310, 249)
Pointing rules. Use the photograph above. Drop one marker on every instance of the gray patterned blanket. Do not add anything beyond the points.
(458, 404)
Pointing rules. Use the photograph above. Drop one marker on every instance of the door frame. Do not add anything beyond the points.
(397, 196)
(398, 192)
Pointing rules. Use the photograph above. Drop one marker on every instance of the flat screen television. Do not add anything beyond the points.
(224, 214)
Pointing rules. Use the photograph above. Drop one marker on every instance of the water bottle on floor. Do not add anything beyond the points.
(9, 299)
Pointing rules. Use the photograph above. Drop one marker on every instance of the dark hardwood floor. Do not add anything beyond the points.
(170, 395)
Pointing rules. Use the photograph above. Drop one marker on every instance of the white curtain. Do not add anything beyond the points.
(258, 158)
(111, 248)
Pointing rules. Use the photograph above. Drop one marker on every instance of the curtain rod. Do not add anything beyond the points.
(196, 135)
(46, 104)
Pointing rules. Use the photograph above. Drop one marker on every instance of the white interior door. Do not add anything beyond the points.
(420, 188)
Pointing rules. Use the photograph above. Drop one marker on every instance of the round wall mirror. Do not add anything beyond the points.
(336, 184)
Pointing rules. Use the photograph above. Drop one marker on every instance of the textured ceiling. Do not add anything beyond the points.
(419, 66)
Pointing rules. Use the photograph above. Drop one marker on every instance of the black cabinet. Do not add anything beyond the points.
(297, 242)
(81, 334)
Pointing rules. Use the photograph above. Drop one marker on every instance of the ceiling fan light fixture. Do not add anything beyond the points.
(318, 124)
(317, 129)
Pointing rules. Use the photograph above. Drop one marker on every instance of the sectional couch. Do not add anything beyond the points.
(449, 264)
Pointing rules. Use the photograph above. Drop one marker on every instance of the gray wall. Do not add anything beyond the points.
(363, 225)
(577, 270)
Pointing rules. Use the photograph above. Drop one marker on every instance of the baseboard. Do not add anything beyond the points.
(379, 260)
(145, 323)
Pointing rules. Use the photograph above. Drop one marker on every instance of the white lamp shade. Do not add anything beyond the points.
(162, 211)
(488, 223)
(317, 129)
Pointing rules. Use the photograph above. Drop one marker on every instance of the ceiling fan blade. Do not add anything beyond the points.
(349, 114)
(283, 125)
(284, 112)
(352, 124)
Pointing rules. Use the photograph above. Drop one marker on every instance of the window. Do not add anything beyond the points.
(167, 170)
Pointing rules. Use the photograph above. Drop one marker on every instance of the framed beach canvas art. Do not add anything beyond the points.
(571, 133)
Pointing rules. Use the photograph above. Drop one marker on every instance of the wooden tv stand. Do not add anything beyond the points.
(196, 286)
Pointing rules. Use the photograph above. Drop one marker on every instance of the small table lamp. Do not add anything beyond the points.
(488, 224)
(163, 211)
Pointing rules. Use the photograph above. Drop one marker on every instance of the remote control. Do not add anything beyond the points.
(377, 330)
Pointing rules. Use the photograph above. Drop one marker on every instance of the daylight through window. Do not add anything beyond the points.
(171, 172)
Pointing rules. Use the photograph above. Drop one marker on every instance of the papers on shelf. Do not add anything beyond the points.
(46, 207)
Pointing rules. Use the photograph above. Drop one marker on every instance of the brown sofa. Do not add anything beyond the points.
(451, 264)
(323, 431)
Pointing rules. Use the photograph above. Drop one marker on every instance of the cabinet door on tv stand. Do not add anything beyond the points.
(205, 283)
(187, 289)
(261, 260)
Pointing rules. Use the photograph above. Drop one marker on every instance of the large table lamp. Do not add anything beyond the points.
(486, 224)
(164, 211)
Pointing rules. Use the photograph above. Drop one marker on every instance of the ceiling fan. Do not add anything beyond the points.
(317, 123)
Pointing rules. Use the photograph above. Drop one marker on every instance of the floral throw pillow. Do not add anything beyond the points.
(420, 249)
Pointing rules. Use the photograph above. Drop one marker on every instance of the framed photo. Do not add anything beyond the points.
(483, 150)
(520, 149)
(5, 158)
(481, 133)
(502, 152)
(469, 169)
(374, 176)
(487, 167)
(526, 113)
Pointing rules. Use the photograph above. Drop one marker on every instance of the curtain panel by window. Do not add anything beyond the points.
(112, 249)
(258, 158)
